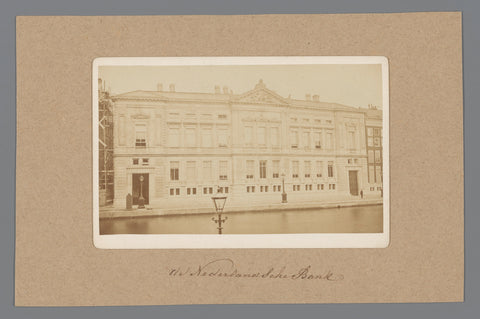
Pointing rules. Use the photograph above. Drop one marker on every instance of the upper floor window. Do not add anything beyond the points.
(295, 166)
(261, 136)
(250, 169)
(306, 139)
(330, 169)
(190, 137)
(274, 136)
(140, 136)
(222, 137)
(319, 168)
(174, 136)
(191, 171)
(276, 168)
(248, 134)
(294, 139)
(174, 171)
(207, 137)
(263, 169)
(223, 170)
(317, 139)
(207, 170)
(308, 168)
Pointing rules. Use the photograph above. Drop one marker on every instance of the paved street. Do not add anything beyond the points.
(359, 219)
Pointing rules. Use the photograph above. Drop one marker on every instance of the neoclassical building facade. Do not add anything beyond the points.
(179, 148)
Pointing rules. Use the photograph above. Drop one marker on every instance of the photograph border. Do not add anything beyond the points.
(208, 241)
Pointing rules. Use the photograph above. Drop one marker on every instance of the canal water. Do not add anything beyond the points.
(360, 219)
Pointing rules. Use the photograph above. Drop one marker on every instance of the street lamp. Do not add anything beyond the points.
(284, 195)
(219, 202)
(141, 200)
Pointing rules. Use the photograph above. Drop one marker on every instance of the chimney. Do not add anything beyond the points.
(172, 87)
(159, 87)
(316, 98)
(217, 89)
(225, 90)
(308, 97)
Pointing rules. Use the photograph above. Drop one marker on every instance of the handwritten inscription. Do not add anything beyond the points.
(226, 268)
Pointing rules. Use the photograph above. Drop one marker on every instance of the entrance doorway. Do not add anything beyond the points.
(353, 179)
(137, 186)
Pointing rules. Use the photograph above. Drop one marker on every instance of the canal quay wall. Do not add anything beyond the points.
(111, 212)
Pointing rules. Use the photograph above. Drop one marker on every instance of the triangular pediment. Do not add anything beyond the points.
(260, 94)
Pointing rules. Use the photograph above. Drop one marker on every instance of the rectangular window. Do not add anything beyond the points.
(261, 136)
(222, 138)
(319, 168)
(223, 174)
(173, 136)
(306, 139)
(174, 191)
(206, 137)
(376, 132)
(191, 171)
(207, 170)
(250, 168)
(190, 137)
(351, 140)
(144, 161)
(174, 171)
(205, 190)
(140, 136)
(378, 173)
(371, 156)
(329, 141)
(135, 161)
(276, 168)
(248, 135)
(263, 169)
(378, 157)
(371, 174)
(369, 131)
(317, 139)
(222, 116)
(377, 142)
(275, 139)
(308, 168)
(294, 139)
(370, 142)
(177, 191)
(191, 191)
(295, 169)
(330, 169)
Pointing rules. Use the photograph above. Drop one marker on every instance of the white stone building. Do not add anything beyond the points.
(189, 145)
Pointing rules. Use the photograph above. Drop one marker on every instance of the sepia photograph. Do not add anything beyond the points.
(232, 152)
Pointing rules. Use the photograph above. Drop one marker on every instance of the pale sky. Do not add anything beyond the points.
(349, 84)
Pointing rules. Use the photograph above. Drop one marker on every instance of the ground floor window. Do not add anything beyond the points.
(208, 190)
(174, 191)
(191, 191)
(250, 189)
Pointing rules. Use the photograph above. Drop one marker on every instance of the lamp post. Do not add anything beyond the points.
(284, 195)
(141, 200)
(219, 202)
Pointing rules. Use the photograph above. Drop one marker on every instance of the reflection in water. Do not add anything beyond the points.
(361, 219)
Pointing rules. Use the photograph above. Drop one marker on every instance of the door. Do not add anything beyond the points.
(139, 186)
(353, 179)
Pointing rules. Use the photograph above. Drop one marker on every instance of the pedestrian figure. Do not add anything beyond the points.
(361, 193)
